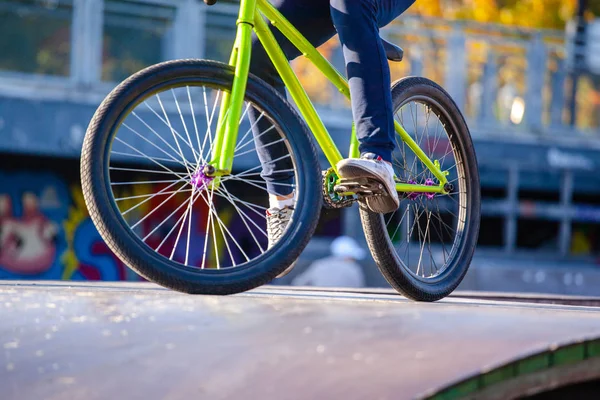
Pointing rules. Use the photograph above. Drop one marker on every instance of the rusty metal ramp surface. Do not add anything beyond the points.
(139, 341)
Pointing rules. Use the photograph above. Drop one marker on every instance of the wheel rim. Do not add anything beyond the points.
(427, 229)
(165, 198)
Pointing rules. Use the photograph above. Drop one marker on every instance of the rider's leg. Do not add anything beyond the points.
(357, 23)
(312, 18)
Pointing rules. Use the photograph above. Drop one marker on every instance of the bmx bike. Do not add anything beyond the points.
(172, 181)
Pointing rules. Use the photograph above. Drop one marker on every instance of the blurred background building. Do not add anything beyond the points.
(510, 65)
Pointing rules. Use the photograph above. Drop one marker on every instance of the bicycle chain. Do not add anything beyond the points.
(329, 202)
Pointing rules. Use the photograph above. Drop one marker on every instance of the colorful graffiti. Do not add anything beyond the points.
(87, 256)
(32, 209)
(27, 242)
(46, 232)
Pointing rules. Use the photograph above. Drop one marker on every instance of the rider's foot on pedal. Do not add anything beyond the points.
(372, 166)
(277, 220)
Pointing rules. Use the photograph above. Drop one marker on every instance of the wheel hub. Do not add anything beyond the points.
(415, 195)
(200, 180)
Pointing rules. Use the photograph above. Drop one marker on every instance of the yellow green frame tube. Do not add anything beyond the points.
(441, 176)
(231, 105)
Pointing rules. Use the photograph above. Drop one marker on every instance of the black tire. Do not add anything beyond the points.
(140, 257)
(375, 228)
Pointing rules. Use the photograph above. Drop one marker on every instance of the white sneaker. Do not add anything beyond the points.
(277, 222)
(372, 166)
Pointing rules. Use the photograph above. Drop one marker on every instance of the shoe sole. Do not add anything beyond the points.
(287, 270)
(377, 204)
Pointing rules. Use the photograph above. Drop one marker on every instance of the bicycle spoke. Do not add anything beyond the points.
(155, 134)
(164, 121)
(141, 196)
(189, 201)
(222, 225)
(433, 264)
(187, 134)
(255, 168)
(207, 230)
(216, 215)
(258, 181)
(415, 119)
(191, 211)
(153, 159)
(170, 232)
(195, 124)
(145, 170)
(145, 182)
(209, 120)
(260, 147)
(145, 156)
(154, 209)
(212, 224)
(258, 210)
(440, 235)
(173, 133)
(252, 139)
(236, 176)
(161, 224)
(447, 227)
(391, 217)
(245, 112)
(156, 194)
(237, 147)
(423, 244)
(438, 137)
(229, 197)
(400, 223)
(263, 188)
(243, 217)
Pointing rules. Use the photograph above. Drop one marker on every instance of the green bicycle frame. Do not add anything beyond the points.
(251, 18)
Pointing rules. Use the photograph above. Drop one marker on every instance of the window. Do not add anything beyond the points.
(36, 36)
(135, 36)
(220, 32)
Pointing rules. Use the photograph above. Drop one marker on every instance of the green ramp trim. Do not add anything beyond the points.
(531, 370)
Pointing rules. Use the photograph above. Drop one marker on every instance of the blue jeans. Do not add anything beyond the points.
(357, 23)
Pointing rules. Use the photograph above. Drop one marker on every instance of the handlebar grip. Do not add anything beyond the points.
(210, 2)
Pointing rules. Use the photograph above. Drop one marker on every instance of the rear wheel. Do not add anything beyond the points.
(143, 179)
(425, 247)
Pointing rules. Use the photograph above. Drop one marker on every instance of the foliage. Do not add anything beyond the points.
(512, 63)
(551, 14)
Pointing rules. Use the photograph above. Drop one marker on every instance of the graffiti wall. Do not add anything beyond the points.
(46, 233)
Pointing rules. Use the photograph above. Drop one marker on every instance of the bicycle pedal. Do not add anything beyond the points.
(360, 186)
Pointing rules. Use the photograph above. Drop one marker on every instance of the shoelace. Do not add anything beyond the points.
(277, 222)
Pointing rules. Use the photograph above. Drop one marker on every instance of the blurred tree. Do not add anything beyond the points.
(549, 14)
(315, 83)
(528, 13)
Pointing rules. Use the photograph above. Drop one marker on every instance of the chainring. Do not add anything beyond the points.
(331, 199)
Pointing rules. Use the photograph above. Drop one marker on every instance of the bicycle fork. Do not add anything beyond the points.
(223, 148)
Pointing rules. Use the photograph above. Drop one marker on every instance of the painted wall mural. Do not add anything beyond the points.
(46, 232)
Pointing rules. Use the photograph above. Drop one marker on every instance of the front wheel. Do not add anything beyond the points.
(425, 247)
(144, 182)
